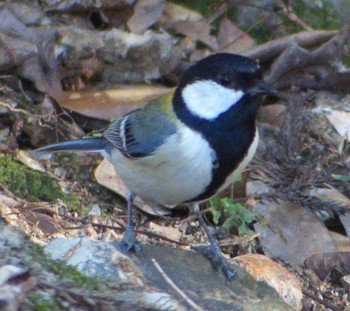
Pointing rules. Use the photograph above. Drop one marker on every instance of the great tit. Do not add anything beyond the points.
(188, 145)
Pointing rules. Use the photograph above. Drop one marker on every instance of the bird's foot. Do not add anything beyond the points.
(215, 256)
(129, 243)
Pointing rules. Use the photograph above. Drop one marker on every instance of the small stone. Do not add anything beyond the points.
(95, 211)
(345, 280)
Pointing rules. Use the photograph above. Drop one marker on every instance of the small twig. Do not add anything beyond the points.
(288, 10)
(217, 13)
(175, 287)
(31, 115)
(325, 303)
(22, 91)
(194, 216)
(246, 32)
(122, 229)
(230, 241)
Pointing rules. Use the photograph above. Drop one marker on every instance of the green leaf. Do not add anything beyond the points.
(341, 177)
(216, 215)
(237, 215)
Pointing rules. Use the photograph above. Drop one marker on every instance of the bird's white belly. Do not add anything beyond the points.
(178, 171)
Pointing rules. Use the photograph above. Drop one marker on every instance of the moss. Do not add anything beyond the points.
(64, 271)
(37, 302)
(317, 17)
(323, 17)
(32, 185)
(17, 249)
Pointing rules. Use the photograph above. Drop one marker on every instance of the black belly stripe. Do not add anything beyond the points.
(227, 163)
(230, 136)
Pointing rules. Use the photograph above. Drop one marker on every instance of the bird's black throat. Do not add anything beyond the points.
(230, 135)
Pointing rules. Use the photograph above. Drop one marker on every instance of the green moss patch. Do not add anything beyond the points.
(32, 185)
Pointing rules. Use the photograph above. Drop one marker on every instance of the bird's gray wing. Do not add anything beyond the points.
(141, 132)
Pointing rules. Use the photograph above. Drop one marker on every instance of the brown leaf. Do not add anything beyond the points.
(324, 263)
(147, 13)
(341, 122)
(24, 158)
(109, 104)
(231, 39)
(278, 277)
(289, 231)
(196, 30)
(174, 12)
(169, 232)
(46, 224)
(342, 242)
(345, 280)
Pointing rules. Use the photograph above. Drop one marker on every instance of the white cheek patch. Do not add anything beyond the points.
(208, 99)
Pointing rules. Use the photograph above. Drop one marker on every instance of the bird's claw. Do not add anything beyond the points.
(217, 259)
(129, 243)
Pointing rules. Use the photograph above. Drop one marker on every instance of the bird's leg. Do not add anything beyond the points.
(129, 241)
(213, 252)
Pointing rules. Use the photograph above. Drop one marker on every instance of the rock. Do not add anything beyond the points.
(181, 272)
(15, 282)
(96, 258)
(28, 279)
(279, 278)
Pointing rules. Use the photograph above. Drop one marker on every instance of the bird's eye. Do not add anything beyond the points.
(225, 80)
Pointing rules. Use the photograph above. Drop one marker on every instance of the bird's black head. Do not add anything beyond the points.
(219, 82)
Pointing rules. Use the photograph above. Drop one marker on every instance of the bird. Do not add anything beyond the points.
(188, 145)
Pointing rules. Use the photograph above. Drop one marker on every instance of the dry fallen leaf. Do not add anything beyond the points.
(174, 13)
(341, 122)
(196, 30)
(24, 158)
(109, 104)
(276, 276)
(147, 13)
(345, 280)
(231, 39)
(289, 231)
(324, 263)
(342, 242)
(169, 232)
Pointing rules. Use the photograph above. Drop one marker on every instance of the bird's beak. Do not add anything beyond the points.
(262, 88)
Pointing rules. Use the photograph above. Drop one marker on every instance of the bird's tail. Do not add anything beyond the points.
(98, 145)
